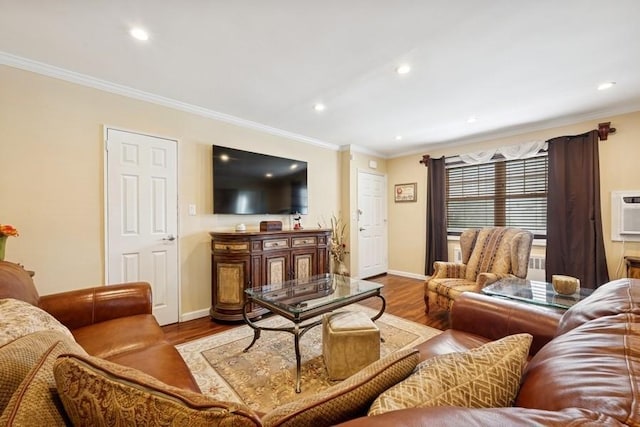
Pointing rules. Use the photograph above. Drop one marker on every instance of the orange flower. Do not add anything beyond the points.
(8, 230)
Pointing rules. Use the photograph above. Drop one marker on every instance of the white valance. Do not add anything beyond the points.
(511, 152)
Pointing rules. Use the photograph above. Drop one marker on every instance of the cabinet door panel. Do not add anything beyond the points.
(276, 267)
(304, 264)
(231, 280)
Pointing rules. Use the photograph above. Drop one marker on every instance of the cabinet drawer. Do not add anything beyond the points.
(296, 242)
(230, 246)
(275, 244)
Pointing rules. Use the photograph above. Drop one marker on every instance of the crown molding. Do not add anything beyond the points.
(544, 125)
(362, 150)
(106, 86)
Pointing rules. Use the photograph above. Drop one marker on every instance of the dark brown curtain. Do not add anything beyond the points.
(575, 244)
(437, 249)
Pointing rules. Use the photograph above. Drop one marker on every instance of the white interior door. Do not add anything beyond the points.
(372, 224)
(142, 216)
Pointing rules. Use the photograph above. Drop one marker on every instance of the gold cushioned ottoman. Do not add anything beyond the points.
(350, 341)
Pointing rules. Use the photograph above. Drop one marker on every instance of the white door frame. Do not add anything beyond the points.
(105, 190)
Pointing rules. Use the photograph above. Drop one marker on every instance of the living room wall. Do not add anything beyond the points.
(619, 170)
(52, 179)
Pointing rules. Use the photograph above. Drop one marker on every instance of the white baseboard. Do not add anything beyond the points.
(193, 315)
(407, 274)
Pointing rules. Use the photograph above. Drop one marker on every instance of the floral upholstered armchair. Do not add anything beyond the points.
(488, 254)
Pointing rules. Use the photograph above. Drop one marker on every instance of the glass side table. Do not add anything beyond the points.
(534, 292)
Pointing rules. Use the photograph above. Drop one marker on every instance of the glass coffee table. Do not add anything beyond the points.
(534, 292)
(302, 300)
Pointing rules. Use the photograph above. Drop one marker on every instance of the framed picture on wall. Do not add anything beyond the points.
(405, 192)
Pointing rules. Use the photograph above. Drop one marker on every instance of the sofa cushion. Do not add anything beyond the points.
(35, 402)
(618, 296)
(119, 335)
(447, 416)
(18, 357)
(594, 366)
(96, 392)
(484, 377)
(163, 362)
(19, 318)
(348, 399)
(450, 341)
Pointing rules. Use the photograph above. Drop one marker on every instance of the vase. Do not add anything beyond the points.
(3, 245)
(339, 267)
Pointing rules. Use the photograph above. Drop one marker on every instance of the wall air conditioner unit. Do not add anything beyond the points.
(625, 216)
(630, 215)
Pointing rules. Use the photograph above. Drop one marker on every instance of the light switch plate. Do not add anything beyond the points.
(192, 210)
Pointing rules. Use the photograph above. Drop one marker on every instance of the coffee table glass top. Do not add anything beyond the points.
(534, 292)
(302, 295)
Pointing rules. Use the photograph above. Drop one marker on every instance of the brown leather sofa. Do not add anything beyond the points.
(111, 322)
(584, 367)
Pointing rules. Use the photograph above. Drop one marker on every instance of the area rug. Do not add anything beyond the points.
(264, 377)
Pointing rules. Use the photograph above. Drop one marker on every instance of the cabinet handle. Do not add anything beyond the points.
(228, 248)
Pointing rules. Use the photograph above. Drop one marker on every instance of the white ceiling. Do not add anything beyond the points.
(516, 65)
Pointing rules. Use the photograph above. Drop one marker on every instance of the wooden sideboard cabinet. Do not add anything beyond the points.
(244, 260)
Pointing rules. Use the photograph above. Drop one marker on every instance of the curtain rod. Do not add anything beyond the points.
(604, 130)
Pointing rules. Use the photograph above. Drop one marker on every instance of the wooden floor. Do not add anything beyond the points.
(404, 297)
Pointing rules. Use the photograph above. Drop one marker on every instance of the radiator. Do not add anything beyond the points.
(536, 268)
(457, 255)
(536, 265)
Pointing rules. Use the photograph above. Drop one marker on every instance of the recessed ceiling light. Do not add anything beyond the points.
(403, 69)
(606, 85)
(293, 166)
(472, 119)
(398, 137)
(268, 174)
(139, 34)
(224, 157)
(319, 107)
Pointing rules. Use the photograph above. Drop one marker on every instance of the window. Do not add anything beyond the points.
(510, 193)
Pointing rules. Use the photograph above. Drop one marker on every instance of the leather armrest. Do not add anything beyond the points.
(84, 307)
(495, 318)
(448, 270)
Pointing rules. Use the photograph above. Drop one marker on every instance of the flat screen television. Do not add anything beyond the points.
(246, 183)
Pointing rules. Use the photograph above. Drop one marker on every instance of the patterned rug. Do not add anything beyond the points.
(264, 377)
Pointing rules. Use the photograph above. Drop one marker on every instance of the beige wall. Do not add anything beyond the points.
(51, 181)
(52, 178)
(618, 171)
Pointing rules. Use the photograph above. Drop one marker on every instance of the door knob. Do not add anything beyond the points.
(170, 238)
(362, 229)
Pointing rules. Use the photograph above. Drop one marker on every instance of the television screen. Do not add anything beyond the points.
(257, 184)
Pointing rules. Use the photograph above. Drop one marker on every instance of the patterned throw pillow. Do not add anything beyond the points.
(35, 402)
(96, 392)
(19, 318)
(20, 356)
(348, 399)
(484, 377)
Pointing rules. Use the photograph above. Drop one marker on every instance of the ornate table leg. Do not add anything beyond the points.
(256, 329)
(377, 316)
(296, 341)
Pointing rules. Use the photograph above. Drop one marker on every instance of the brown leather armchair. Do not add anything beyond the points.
(488, 254)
